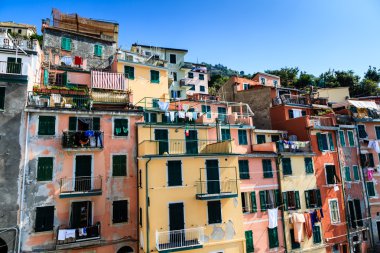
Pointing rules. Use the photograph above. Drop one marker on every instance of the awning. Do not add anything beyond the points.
(363, 104)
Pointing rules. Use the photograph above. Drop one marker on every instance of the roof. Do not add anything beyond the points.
(237, 79)
(18, 25)
(166, 48)
(266, 74)
(363, 104)
(77, 33)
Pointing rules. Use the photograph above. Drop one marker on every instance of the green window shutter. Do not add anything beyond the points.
(73, 123)
(263, 203)
(249, 241)
(46, 125)
(44, 219)
(319, 198)
(154, 76)
(174, 173)
(307, 198)
(370, 158)
(214, 212)
(341, 138)
(316, 234)
(362, 132)
(244, 169)
(98, 50)
(260, 138)
(285, 200)
(309, 165)
(96, 124)
(129, 72)
(2, 98)
(66, 44)
(267, 168)
(347, 173)
(297, 197)
(377, 129)
(253, 202)
(277, 197)
(120, 211)
(371, 189)
(46, 76)
(351, 138)
(119, 165)
(320, 142)
(45, 169)
(295, 245)
(291, 114)
(273, 237)
(226, 134)
(303, 113)
(356, 172)
(121, 127)
(64, 78)
(242, 137)
(331, 141)
(286, 166)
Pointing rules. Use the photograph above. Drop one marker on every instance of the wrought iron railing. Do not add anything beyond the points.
(14, 68)
(217, 188)
(72, 235)
(57, 101)
(113, 97)
(83, 139)
(80, 185)
(177, 239)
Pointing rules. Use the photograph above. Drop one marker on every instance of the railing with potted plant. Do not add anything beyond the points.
(90, 139)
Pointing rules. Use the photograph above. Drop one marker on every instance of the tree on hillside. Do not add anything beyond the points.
(304, 80)
(288, 76)
(372, 74)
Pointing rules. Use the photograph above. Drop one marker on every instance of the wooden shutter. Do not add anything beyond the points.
(263, 204)
(120, 211)
(2, 98)
(214, 212)
(249, 241)
(253, 202)
(285, 200)
(318, 196)
(370, 159)
(351, 138)
(46, 76)
(320, 142)
(341, 138)
(45, 169)
(73, 123)
(331, 142)
(96, 124)
(347, 174)
(316, 234)
(277, 197)
(44, 219)
(307, 198)
(174, 173)
(291, 114)
(286, 166)
(119, 165)
(356, 172)
(273, 237)
(309, 165)
(371, 189)
(46, 125)
(244, 169)
(297, 199)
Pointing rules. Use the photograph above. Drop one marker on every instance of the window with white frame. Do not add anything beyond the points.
(334, 211)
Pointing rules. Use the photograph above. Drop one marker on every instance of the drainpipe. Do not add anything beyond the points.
(278, 157)
(147, 205)
(364, 187)
(343, 190)
(23, 183)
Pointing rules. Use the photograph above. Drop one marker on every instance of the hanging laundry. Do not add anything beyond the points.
(313, 218)
(189, 115)
(163, 106)
(61, 234)
(82, 232)
(185, 107)
(181, 115)
(272, 217)
(195, 115)
(172, 116)
(179, 107)
(319, 215)
(70, 233)
(370, 174)
(298, 220)
(308, 225)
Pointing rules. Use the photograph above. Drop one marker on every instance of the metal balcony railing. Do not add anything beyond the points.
(291, 99)
(10, 68)
(294, 146)
(317, 121)
(110, 97)
(177, 239)
(75, 235)
(81, 185)
(89, 139)
(58, 101)
(217, 189)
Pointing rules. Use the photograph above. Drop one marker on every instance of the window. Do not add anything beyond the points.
(150, 117)
(173, 59)
(341, 138)
(295, 245)
(351, 139)
(296, 113)
(334, 211)
(214, 212)
(2, 98)
(190, 75)
(201, 77)
(347, 174)
(45, 169)
(175, 76)
(309, 165)
(313, 198)
(120, 127)
(249, 241)
(362, 132)
(366, 160)
(325, 141)
(202, 88)
(269, 199)
(291, 200)
(245, 86)
(286, 166)
(174, 173)
(66, 44)
(273, 237)
(154, 76)
(331, 177)
(120, 211)
(248, 202)
(129, 72)
(355, 212)
(262, 79)
(260, 138)
(275, 83)
(19, 31)
(377, 129)
(243, 169)
(46, 125)
(206, 109)
(44, 219)
(98, 50)
(192, 87)
(317, 234)
(119, 165)
(371, 189)
(356, 172)
(226, 134)
(242, 137)
(267, 168)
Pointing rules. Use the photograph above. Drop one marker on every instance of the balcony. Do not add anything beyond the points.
(176, 240)
(184, 147)
(318, 121)
(216, 189)
(110, 97)
(59, 99)
(265, 147)
(291, 99)
(80, 186)
(83, 140)
(13, 68)
(78, 237)
(294, 147)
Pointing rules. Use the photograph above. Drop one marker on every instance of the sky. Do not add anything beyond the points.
(248, 35)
